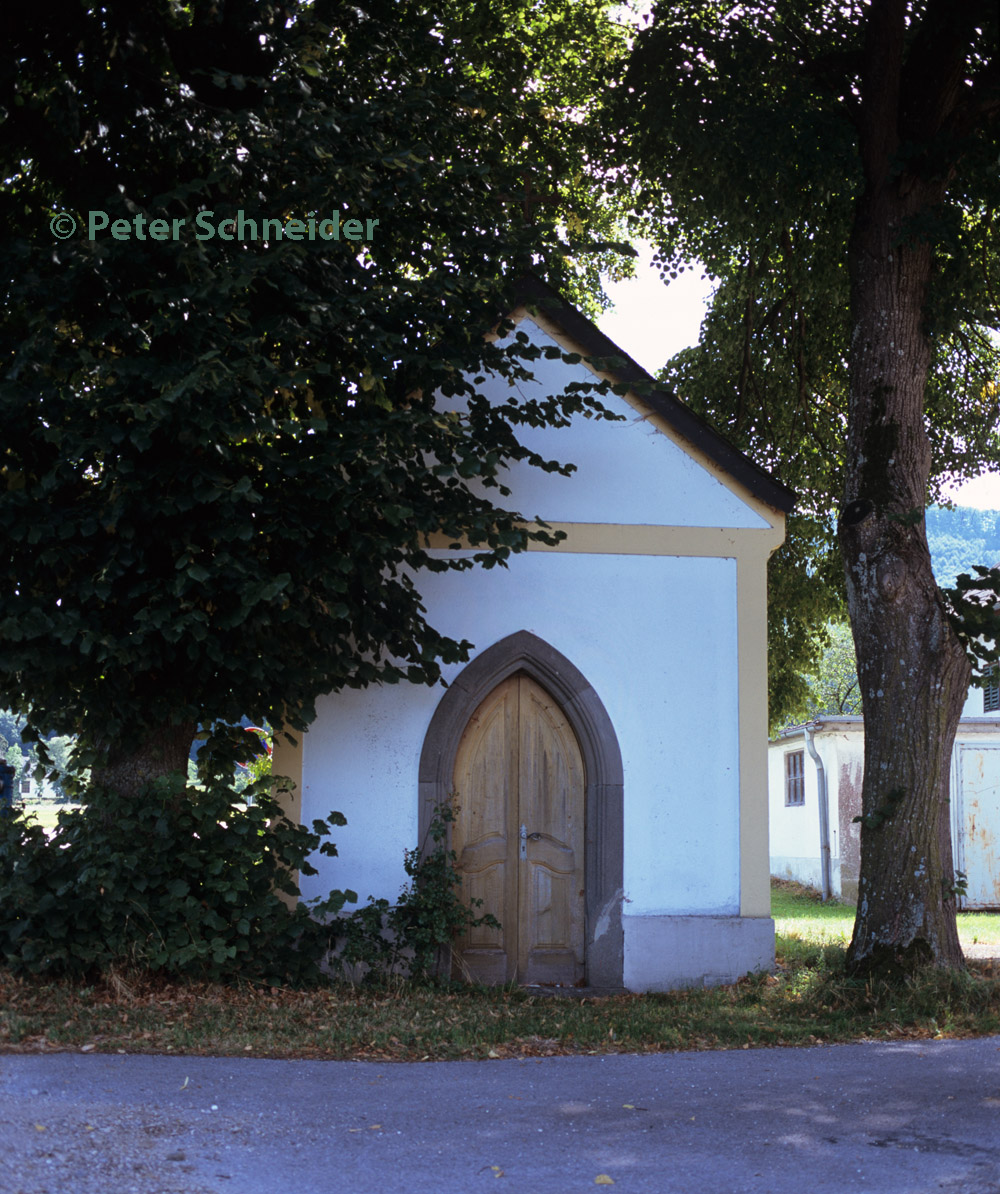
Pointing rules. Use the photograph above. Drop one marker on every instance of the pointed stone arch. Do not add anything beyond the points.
(526, 652)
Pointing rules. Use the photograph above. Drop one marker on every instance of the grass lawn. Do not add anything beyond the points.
(808, 1000)
(46, 812)
(798, 912)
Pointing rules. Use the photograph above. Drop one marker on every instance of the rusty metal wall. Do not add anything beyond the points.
(851, 775)
(977, 814)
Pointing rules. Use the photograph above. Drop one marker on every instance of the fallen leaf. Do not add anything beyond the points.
(88, 1048)
(629, 1106)
(602, 1179)
(374, 1127)
(184, 1083)
(497, 1171)
(492, 1053)
(40, 1128)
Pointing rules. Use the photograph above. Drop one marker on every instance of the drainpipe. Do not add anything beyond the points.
(824, 814)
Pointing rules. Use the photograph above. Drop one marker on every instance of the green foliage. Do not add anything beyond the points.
(958, 888)
(805, 594)
(181, 888)
(740, 126)
(259, 766)
(834, 686)
(959, 539)
(738, 130)
(10, 729)
(558, 58)
(972, 607)
(413, 935)
(222, 459)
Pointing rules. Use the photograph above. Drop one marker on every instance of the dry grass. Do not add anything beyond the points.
(808, 999)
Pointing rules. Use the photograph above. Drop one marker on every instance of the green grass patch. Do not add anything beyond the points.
(799, 911)
(46, 812)
(979, 928)
(808, 1000)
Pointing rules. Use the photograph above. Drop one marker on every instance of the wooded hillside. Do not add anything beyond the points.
(960, 538)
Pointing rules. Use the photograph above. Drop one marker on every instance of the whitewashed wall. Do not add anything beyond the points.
(973, 706)
(656, 638)
(626, 470)
(794, 829)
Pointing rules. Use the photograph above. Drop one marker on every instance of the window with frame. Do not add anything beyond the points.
(991, 691)
(795, 777)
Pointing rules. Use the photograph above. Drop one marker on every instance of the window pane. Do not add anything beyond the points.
(795, 777)
(991, 693)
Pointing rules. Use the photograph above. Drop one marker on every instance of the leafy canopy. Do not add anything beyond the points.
(834, 685)
(222, 458)
(738, 128)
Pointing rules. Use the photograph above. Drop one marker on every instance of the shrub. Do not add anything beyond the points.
(413, 936)
(188, 888)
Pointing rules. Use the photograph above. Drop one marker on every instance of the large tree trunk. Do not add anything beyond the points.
(162, 753)
(913, 671)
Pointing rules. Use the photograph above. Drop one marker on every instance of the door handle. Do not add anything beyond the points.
(526, 837)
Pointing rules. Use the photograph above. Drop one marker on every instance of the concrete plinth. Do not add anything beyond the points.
(663, 953)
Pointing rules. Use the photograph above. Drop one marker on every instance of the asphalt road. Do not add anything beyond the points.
(888, 1118)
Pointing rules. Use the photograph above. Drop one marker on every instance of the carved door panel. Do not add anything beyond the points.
(484, 832)
(519, 836)
(550, 874)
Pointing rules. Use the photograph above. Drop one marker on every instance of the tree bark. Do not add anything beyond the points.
(161, 753)
(913, 671)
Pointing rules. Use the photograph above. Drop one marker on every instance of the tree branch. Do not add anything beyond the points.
(933, 80)
(979, 104)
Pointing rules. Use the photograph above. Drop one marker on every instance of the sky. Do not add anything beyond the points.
(652, 320)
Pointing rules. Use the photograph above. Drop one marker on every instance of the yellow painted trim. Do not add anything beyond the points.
(768, 513)
(286, 760)
(755, 861)
(600, 538)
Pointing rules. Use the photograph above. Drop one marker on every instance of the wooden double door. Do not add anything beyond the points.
(519, 836)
